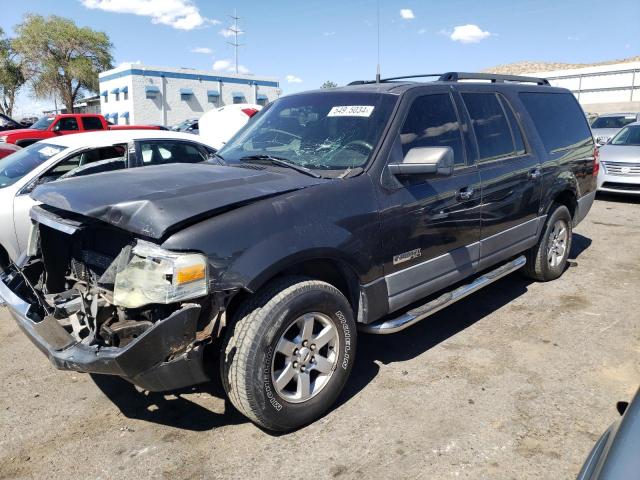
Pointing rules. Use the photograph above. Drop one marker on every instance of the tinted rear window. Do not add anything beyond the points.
(91, 123)
(490, 125)
(558, 118)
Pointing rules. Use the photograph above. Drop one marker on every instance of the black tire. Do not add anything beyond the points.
(249, 351)
(538, 266)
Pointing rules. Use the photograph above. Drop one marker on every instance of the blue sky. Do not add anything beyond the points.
(304, 43)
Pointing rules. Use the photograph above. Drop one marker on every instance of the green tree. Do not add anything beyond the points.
(61, 58)
(11, 76)
(329, 84)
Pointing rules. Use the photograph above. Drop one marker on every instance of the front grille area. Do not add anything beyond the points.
(629, 187)
(619, 168)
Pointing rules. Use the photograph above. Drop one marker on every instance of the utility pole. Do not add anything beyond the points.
(236, 31)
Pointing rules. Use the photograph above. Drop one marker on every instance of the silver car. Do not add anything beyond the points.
(607, 125)
(620, 162)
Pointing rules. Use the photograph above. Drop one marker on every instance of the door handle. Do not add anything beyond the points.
(465, 193)
(535, 174)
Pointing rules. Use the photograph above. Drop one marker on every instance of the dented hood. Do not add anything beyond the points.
(153, 201)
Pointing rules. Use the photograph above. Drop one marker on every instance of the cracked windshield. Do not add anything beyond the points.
(323, 132)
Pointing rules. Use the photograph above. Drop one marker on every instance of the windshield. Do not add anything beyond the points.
(319, 131)
(42, 124)
(7, 121)
(613, 122)
(627, 136)
(15, 166)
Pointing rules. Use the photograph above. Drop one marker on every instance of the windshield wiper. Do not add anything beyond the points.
(281, 162)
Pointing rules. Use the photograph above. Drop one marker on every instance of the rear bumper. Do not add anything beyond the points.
(164, 357)
(584, 205)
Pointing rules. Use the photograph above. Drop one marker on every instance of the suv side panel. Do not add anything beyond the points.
(429, 233)
(511, 183)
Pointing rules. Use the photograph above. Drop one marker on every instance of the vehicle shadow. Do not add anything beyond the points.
(421, 337)
(579, 244)
(174, 409)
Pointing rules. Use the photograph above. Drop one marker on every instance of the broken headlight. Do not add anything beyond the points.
(156, 275)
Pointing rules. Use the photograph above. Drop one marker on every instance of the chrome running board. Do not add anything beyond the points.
(394, 325)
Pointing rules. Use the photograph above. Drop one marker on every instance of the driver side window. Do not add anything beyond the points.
(432, 122)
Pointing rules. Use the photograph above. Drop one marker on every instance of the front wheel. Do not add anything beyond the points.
(289, 353)
(547, 260)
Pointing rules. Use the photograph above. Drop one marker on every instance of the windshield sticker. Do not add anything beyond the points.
(351, 111)
(49, 151)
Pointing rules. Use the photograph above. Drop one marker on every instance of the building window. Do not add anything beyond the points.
(125, 93)
(238, 97)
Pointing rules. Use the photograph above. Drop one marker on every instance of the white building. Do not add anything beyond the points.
(139, 94)
(602, 88)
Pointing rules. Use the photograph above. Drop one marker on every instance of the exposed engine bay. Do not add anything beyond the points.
(105, 287)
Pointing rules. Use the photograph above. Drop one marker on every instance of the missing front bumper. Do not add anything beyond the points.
(164, 357)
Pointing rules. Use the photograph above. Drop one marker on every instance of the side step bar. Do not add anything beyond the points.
(394, 325)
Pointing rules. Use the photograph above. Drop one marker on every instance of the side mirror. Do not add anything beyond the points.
(56, 127)
(425, 161)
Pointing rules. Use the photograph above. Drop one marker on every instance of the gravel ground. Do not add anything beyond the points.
(517, 381)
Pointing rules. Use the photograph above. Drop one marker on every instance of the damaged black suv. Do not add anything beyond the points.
(367, 207)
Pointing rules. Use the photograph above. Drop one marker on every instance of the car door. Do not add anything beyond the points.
(79, 163)
(510, 173)
(162, 152)
(430, 224)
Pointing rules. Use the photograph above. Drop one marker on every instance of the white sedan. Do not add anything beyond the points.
(78, 155)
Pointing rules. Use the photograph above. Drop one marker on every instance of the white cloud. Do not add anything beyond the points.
(422, 31)
(221, 64)
(180, 14)
(205, 50)
(328, 34)
(228, 32)
(468, 34)
(293, 79)
(407, 14)
(229, 66)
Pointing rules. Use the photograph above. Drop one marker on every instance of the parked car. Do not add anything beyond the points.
(615, 454)
(370, 206)
(79, 156)
(187, 126)
(620, 160)
(219, 125)
(605, 126)
(28, 121)
(8, 123)
(8, 149)
(63, 124)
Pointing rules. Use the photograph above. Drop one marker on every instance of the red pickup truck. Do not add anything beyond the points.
(64, 124)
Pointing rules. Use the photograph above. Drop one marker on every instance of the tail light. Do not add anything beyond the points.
(596, 160)
(250, 112)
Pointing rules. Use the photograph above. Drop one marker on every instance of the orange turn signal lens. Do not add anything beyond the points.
(190, 274)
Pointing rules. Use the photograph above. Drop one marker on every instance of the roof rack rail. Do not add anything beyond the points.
(392, 79)
(492, 77)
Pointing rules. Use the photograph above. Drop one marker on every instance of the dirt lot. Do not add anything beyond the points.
(517, 381)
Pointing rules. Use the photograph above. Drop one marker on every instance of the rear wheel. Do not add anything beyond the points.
(547, 260)
(289, 353)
